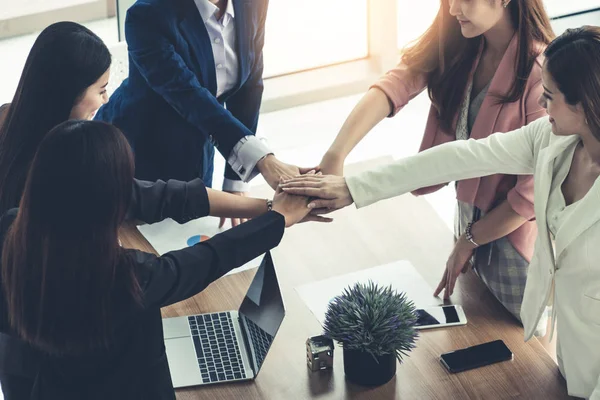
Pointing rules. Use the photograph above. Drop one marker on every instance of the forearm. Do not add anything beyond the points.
(496, 224)
(231, 206)
(370, 110)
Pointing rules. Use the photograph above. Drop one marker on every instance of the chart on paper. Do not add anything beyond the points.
(169, 235)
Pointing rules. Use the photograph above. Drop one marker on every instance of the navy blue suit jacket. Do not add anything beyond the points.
(167, 107)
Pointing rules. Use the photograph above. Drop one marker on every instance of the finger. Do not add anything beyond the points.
(316, 218)
(306, 170)
(235, 221)
(311, 172)
(449, 275)
(303, 191)
(441, 286)
(222, 222)
(452, 283)
(242, 220)
(322, 211)
(302, 179)
(319, 203)
(319, 173)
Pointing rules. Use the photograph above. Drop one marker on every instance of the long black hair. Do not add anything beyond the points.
(65, 60)
(63, 270)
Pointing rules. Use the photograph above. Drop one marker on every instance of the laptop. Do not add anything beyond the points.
(226, 346)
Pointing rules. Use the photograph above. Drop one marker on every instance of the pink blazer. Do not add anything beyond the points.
(401, 86)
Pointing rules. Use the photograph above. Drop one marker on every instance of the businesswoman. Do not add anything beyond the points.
(563, 153)
(65, 77)
(84, 311)
(480, 63)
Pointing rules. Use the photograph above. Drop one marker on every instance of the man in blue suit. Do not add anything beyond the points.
(195, 83)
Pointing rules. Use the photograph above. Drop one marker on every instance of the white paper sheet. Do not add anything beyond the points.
(400, 274)
(168, 235)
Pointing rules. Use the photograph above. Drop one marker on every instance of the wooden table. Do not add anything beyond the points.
(402, 228)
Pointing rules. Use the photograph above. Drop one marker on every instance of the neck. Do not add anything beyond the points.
(221, 5)
(499, 36)
(591, 145)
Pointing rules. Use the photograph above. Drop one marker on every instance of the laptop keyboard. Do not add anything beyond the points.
(216, 347)
(261, 341)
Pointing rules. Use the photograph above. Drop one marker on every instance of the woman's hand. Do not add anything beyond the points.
(293, 208)
(331, 192)
(332, 164)
(457, 262)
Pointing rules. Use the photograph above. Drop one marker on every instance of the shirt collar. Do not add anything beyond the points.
(207, 10)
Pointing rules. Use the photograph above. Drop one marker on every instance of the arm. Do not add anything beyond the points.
(167, 74)
(496, 224)
(505, 153)
(180, 274)
(183, 201)
(386, 98)
(154, 201)
(227, 205)
(245, 103)
(509, 153)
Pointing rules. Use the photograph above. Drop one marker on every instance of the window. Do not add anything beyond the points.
(414, 19)
(305, 34)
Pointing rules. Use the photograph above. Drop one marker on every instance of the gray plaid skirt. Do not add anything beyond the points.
(499, 265)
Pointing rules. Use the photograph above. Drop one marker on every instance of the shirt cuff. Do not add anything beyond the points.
(246, 154)
(229, 185)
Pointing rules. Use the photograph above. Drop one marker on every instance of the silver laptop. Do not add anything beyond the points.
(226, 346)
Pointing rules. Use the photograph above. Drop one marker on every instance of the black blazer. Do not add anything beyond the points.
(135, 365)
(168, 107)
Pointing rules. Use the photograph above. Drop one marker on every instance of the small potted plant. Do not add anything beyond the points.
(375, 326)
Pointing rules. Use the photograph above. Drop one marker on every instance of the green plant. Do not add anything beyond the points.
(372, 319)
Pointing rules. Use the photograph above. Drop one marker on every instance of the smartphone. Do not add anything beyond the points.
(437, 317)
(476, 356)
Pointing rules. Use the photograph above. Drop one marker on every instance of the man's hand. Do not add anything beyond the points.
(234, 221)
(273, 170)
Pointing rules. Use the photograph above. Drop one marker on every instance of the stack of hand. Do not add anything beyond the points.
(321, 193)
(294, 207)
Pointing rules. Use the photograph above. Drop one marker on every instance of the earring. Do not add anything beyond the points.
(505, 4)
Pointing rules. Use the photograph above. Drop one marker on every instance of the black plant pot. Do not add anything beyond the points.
(361, 368)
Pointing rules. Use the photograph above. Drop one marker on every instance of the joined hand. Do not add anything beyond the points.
(331, 192)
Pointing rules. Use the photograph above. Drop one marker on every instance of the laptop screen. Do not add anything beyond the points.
(262, 311)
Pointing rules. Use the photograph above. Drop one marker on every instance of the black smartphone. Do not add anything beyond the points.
(476, 356)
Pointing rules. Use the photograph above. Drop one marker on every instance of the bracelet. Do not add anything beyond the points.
(269, 205)
(469, 235)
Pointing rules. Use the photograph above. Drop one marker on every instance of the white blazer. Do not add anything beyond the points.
(574, 268)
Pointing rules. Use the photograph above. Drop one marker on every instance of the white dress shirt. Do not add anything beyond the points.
(249, 150)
